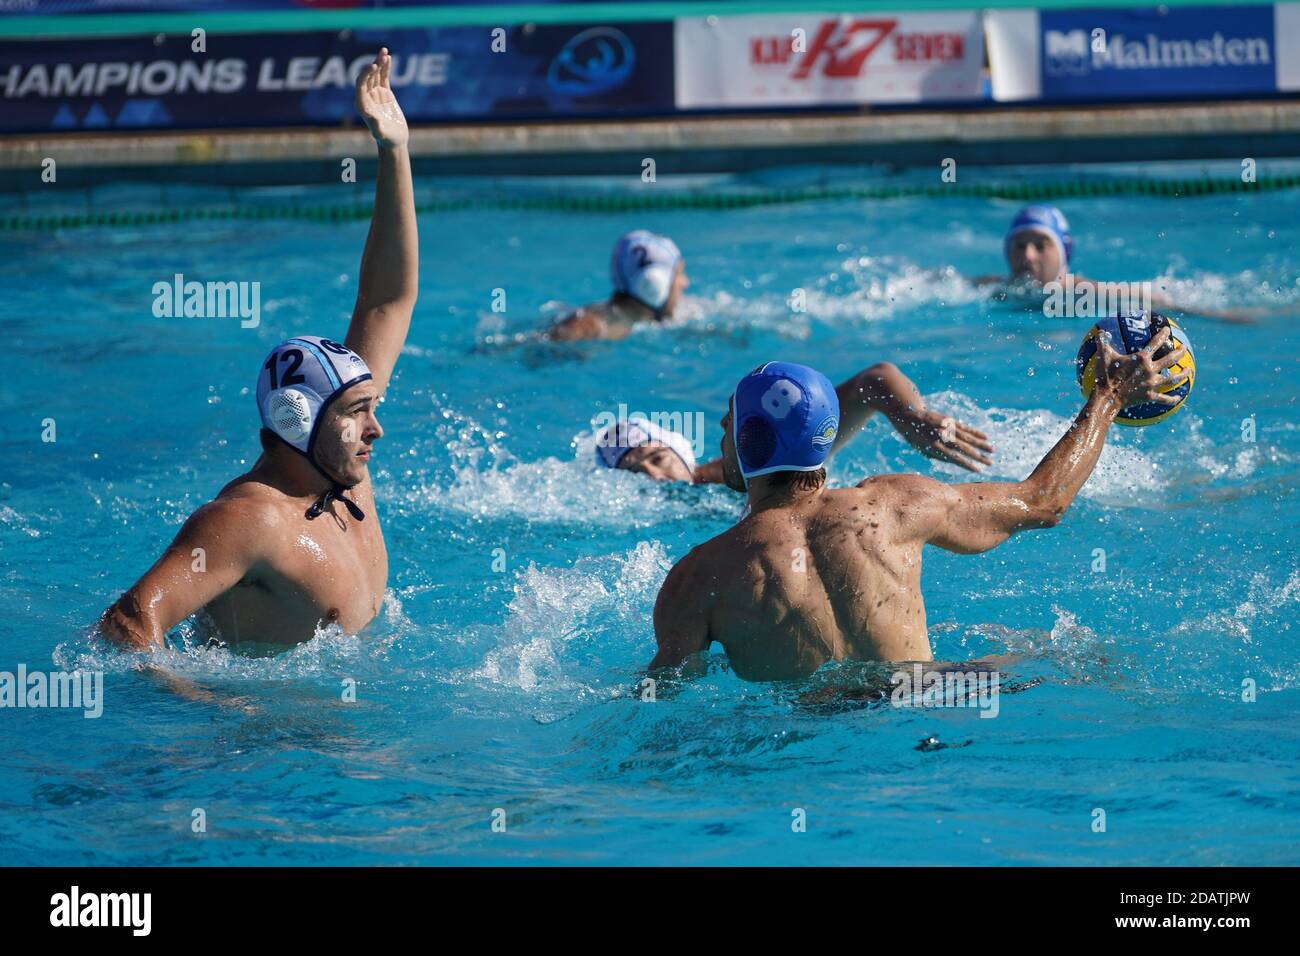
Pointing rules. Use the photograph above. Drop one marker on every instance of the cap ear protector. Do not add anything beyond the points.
(297, 382)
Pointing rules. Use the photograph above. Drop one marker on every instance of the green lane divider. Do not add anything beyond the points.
(25, 26)
(349, 212)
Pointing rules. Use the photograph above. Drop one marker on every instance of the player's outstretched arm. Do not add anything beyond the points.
(390, 265)
(884, 388)
(1119, 292)
(970, 518)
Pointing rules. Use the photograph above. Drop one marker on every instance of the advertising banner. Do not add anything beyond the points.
(53, 7)
(1166, 52)
(307, 78)
(811, 59)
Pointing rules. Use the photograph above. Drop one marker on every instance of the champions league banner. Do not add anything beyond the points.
(1152, 52)
(51, 7)
(290, 79)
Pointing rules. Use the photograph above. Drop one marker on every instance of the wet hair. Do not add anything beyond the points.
(798, 480)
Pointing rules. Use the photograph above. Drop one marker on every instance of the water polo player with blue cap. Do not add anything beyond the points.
(1039, 249)
(648, 275)
(784, 419)
(813, 574)
(295, 543)
(663, 454)
(1039, 245)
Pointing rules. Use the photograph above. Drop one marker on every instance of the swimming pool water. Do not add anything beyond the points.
(480, 688)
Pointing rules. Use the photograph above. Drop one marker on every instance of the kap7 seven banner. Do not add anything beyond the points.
(804, 59)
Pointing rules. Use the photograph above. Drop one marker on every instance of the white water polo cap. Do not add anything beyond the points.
(643, 266)
(298, 380)
(615, 441)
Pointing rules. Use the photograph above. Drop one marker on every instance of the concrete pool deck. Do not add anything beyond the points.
(997, 136)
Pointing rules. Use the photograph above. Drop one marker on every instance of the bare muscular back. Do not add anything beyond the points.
(822, 579)
(814, 575)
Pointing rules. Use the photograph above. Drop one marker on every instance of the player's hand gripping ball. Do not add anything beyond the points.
(1128, 334)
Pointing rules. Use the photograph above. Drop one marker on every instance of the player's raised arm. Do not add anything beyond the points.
(884, 388)
(213, 550)
(390, 265)
(970, 518)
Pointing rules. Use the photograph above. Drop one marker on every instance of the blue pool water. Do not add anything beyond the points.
(480, 689)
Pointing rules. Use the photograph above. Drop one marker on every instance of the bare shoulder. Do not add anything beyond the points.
(245, 506)
(901, 487)
(913, 502)
(695, 573)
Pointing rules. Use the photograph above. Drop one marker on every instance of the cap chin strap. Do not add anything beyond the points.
(335, 492)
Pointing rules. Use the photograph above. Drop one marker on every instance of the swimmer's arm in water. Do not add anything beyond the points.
(1162, 303)
(884, 388)
(390, 265)
(588, 322)
(211, 553)
(970, 518)
(681, 617)
(709, 473)
(1122, 292)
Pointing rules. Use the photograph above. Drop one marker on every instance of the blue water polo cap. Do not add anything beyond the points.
(1047, 219)
(785, 418)
(643, 266)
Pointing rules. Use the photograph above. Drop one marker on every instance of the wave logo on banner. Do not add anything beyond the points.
(595, 61)
(1066, 52)
(842, 48)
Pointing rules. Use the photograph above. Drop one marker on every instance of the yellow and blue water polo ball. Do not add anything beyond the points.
(1128, 333)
